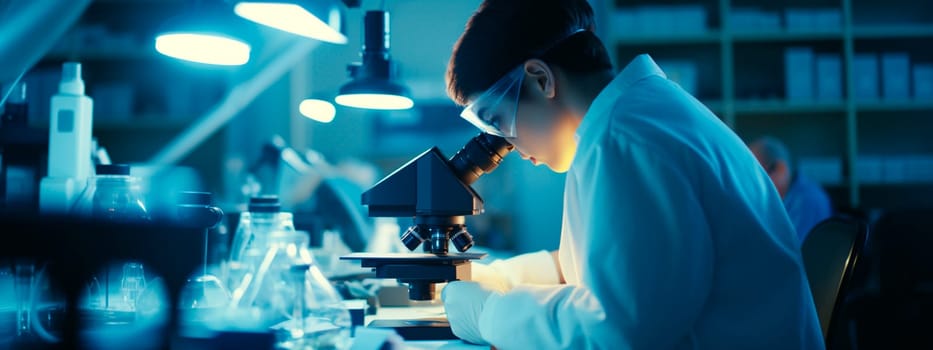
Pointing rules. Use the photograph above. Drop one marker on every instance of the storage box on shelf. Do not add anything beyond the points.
(895, 169)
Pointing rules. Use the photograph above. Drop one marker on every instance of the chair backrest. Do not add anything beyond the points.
(830, 253)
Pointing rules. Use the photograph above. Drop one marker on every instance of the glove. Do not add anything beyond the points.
(463, 302)
(530, 268)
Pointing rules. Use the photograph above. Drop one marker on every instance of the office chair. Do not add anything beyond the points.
(830, 254)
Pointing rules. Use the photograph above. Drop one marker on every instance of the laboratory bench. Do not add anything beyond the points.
(367, 339)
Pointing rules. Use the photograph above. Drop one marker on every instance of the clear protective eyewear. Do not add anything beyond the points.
(494, 112)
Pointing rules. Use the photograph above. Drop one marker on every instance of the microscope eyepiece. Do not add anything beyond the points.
(482, 154)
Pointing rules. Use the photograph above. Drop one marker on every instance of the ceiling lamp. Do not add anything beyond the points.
(371, 85)
(317, 110)
(205, 34)
(316, 19)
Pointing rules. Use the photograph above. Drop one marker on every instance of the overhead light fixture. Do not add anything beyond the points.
(372, 86)
(317, 110)
(206, 33)
(204, 48)
(316, 19)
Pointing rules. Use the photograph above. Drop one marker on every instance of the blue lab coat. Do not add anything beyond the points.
(673, 238)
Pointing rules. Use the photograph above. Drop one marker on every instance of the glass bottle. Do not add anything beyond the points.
(263, 217)
(113, 195)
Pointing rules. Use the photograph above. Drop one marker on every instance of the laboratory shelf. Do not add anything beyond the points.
(748, 77)
(785, 36)
(893, 31)
(898, 196)
(138, 53)
(710, 37)
(895, 106)
(146, 124)
(137, 2)
(896, 184)
(782, 106)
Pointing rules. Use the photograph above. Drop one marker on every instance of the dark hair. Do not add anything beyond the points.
(502, 34)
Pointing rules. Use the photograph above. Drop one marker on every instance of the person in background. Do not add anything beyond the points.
(805, 200)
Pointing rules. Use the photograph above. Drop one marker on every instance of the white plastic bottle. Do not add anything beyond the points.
(70, 126)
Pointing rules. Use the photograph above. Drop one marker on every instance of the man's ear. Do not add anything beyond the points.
(542, 76)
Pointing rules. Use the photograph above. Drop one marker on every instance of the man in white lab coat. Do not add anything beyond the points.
(673, 237)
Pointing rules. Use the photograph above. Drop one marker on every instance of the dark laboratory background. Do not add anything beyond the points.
(846, 85)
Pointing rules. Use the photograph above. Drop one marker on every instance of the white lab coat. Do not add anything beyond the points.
(673, 238)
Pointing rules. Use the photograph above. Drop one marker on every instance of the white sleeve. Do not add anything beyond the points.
(647, 266)
(529, 268)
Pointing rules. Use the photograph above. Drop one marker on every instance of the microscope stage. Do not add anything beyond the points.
(378, 259)
(419, 271)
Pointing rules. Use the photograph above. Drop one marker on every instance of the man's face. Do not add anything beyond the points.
(545, 130)
(777, 171)
(544, 127)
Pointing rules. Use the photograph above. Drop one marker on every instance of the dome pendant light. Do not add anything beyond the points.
(315, 19)
(371, 85)
(206, 34)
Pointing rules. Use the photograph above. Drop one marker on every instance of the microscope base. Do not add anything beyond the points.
(422, 329)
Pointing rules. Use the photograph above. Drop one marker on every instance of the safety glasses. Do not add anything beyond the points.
(494, 112)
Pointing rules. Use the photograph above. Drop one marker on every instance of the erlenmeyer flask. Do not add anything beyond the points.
(291, 296)
(317, 318)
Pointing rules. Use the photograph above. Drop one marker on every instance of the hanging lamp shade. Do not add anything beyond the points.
(316, 19)
(372, 84)
(206, 33)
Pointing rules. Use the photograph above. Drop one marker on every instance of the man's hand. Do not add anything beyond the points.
(464, 304)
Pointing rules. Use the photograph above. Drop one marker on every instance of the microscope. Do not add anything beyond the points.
(435, 192)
